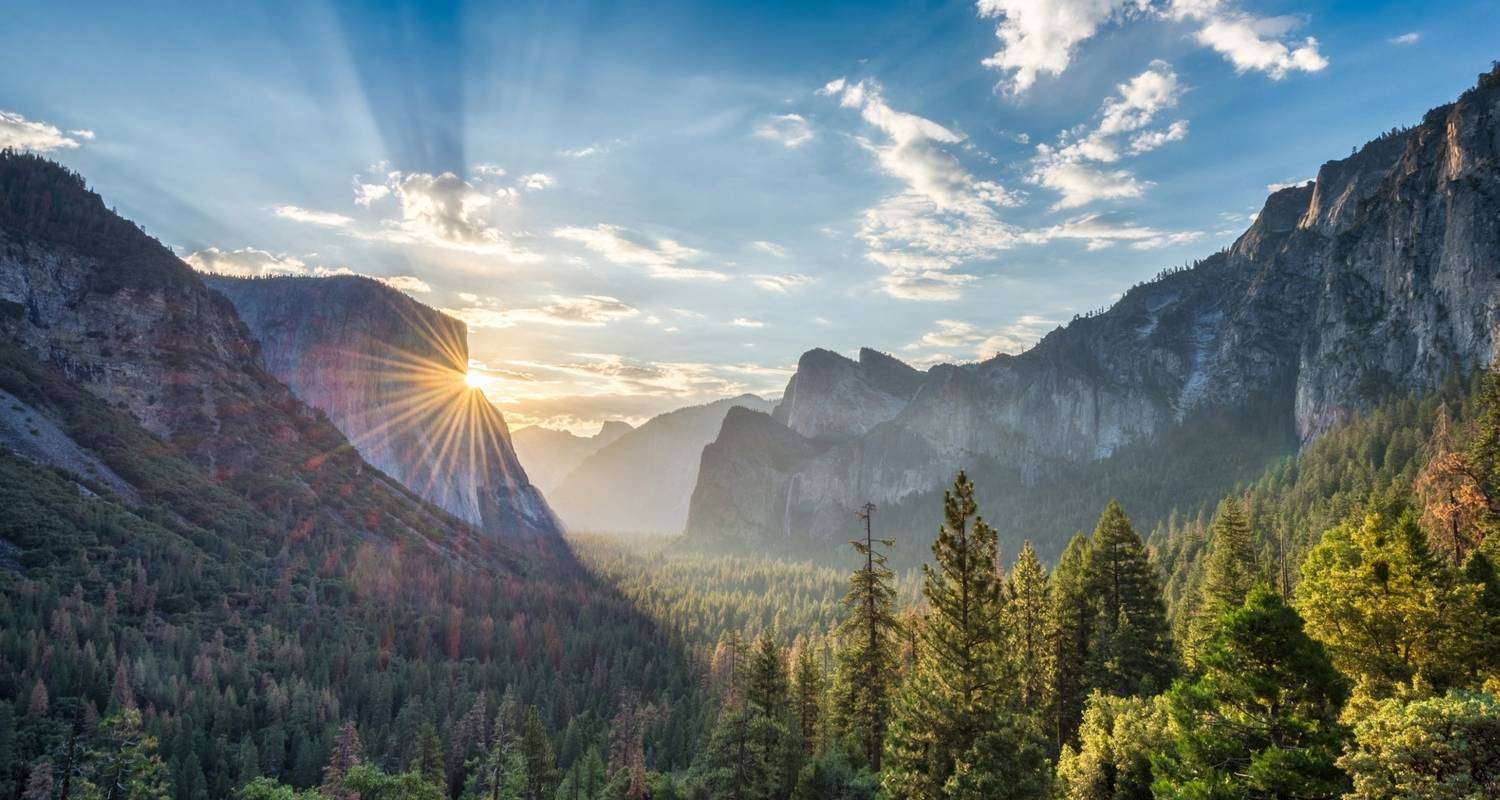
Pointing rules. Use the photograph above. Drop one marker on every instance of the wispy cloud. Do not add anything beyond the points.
(950, 335)
(1068, 166)
(1411, 37)
(591, 311)
(789, 130)
(661, 257)
(20, 133)
(781, 283)
(312, 217)
(944, 216)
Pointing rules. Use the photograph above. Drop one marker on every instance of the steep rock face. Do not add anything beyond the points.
(136, 364)
(832, 397)
(1379, 276)
(389, 373)
(643, 482)
(549, 455)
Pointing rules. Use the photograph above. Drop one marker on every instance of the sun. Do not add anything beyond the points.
(474, 379)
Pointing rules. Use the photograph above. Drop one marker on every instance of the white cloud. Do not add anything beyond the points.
(1273, 188)
(20, 133)
(789, 130)
(590, 311)
(943, 217)
(769, 248)
(780, 283)
(594, 149)
(312, 217)
(537, 181)
(1039, 36)
(1100, 232)
(662, 258)
(406, 283)
(366, 194)
(950, 335)
(485, 169)
(82, 133)
(1411, 37)
(246, 262)
(1064, 166)
(1250, 42)
(744, 322)
(446, 211)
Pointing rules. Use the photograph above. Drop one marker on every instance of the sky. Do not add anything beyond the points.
(640, 206)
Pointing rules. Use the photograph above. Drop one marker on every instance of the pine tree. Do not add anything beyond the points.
(1116, 742)
(427, 757)
(866, 671)
(767, 688)
(1070, 625)
(954, 733)
(39, 783)
(1392, 617)
(1129, 651)
(1229, 571)
(1484, 452)
(348, 753)
(736, 765)
(540, 762)
(807, 696)
(1025, 622)
(1262, 719)
(123, 763)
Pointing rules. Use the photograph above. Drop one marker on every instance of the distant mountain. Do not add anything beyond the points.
(550, 455)
(389, 373)
(1380, 276)
(643, 481)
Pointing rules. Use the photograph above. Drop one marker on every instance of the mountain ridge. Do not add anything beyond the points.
(1372, 278)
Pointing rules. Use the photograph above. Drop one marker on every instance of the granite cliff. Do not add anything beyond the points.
(1380, 276)
(549, 455)
(389, 373)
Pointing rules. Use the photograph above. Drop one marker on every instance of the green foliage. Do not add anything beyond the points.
(370, 783)
(955, 732)
(1116, 741)
(1025, 622)
(866, 676)
(1439, 748)
(1130, 650)
(1262, 718)
(1392, 617)
(267, 789)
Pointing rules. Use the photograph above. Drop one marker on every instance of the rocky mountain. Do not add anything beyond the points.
(138, 378)
(549, 455)
(389, 373)
(642, 482)
(1380, 276)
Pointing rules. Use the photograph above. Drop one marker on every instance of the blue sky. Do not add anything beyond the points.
(639, 206)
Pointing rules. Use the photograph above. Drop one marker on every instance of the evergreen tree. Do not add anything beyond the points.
(39, 783)
(1484, 452)
(807, 696)
(866, 672)
(540, 763)
(1439, 748)
(1129, 650)
(1392, 617)
(1262, 719)
(955, 733)
(767, 688)
(427, 756)
(1229, 571)
(1025, 622)
(736, 764)
(1116, 742)
(348, 753)
(1070, 625)
(123, 763)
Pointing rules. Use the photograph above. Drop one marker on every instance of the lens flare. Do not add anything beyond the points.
(474, 379)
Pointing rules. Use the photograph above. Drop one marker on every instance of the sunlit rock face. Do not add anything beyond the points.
(389, 373)
(1381, 276)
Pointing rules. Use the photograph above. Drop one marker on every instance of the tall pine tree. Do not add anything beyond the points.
(1130, 651)
(866, 672)
(955, 732)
